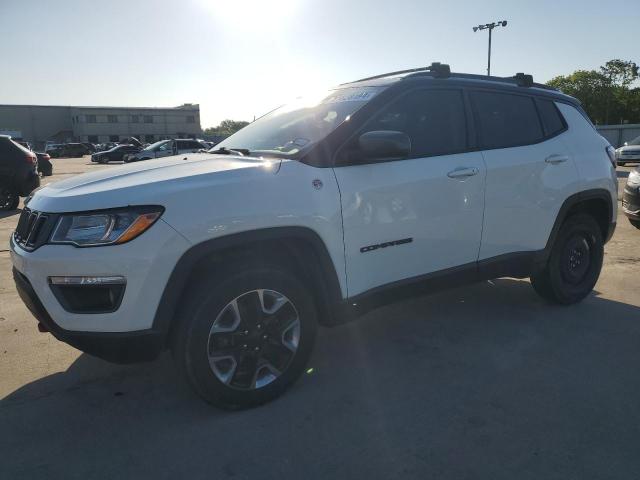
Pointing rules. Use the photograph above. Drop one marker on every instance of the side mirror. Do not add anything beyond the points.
(384, 144)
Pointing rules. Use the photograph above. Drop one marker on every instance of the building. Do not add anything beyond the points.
(41, 123)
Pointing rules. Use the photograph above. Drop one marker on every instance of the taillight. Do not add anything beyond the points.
(31, 158)
(46, 156)
(612, 155)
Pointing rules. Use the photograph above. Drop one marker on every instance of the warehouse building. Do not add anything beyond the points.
(41, 123)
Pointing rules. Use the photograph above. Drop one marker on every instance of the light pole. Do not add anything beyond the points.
(490, 27)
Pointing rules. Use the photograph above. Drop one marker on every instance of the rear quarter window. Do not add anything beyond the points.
(506, 120)
(551, 118)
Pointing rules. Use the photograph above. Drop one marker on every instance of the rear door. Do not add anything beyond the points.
(529, 170)
(414, 216)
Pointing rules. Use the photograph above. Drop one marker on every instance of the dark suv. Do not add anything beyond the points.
(72, 150)
(18, 173)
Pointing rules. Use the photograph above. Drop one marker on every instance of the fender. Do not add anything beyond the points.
(323, 270)
(574, 201)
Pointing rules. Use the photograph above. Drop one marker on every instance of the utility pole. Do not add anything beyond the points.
(490, 27)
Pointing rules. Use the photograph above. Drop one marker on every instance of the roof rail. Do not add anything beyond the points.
(442, 70)
(439, 70)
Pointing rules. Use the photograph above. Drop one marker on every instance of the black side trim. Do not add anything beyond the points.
(125, 347)
(175, 288)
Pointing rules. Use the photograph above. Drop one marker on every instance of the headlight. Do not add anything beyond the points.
(107, 227)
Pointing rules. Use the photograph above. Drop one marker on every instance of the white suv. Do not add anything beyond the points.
(393, 185)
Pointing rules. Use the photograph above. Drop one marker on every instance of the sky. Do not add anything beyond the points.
(241, 58)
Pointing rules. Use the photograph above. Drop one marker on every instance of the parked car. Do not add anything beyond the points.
(631, 198)
(115, 154)
(45, 167)
(70, 150)
(18, 173)
(90, 146)
(629, 152)
(165, 148)
(304, 218)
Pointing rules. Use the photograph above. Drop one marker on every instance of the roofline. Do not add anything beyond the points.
(437, 70)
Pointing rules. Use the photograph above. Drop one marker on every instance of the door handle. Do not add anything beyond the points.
(555, 159)
(463, 172)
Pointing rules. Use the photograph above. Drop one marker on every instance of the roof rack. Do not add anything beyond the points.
(439, 70)
(442, 70)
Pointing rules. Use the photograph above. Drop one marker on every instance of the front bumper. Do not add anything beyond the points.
(126, 334)
(123, 347)
(631, 202)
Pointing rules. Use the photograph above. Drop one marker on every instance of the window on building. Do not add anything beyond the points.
(135, 119)
(149, 138)
(191, 119)
(92, 138)
(114, 138)
(112, 118)
(506, 120)
(90, 118)
(148, 119)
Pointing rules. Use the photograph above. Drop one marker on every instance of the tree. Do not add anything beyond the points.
(226, 128)
(606, 95)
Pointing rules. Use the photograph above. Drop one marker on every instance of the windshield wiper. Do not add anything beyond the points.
(232, 151)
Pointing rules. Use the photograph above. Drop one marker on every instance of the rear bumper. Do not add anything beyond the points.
(126, 347)
(631, 202)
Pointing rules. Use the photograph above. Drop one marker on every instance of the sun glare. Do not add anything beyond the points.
(251, 13)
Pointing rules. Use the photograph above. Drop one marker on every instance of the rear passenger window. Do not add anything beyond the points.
(434, 120)
(506, 120)
(551, 117)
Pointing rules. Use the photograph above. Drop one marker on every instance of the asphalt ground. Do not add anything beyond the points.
(486, 381)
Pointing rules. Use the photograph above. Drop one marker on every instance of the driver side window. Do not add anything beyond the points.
(434, 120)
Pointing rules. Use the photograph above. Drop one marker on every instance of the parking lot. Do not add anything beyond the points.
(485, 381)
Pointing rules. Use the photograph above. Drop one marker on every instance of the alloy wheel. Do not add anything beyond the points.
(253, 339)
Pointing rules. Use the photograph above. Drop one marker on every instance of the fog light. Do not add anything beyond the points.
(89, 294)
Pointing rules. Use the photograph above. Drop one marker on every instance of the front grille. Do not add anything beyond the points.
(33, 229)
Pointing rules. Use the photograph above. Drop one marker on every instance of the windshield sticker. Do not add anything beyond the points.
(351, 95)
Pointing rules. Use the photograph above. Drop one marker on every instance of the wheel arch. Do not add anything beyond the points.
(595, 202)
(298, 247)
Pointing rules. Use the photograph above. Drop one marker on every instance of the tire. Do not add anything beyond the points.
(9, 200)
(574, 265)
(635, 223)
(219, 365)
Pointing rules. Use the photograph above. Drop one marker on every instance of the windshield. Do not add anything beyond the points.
(635, 141)
(289, 129)
(155, 146)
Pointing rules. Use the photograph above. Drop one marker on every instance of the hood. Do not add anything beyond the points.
(148, 182)
(629, 148)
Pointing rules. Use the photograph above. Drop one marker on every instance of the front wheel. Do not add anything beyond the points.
(9, 199)
(246, 338)
(575, 262)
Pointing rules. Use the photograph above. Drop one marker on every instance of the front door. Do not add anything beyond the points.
(422, 214)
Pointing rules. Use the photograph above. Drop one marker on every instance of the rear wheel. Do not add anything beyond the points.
(575, 262)
(635, 223)
(247, 337)
(9, 199)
